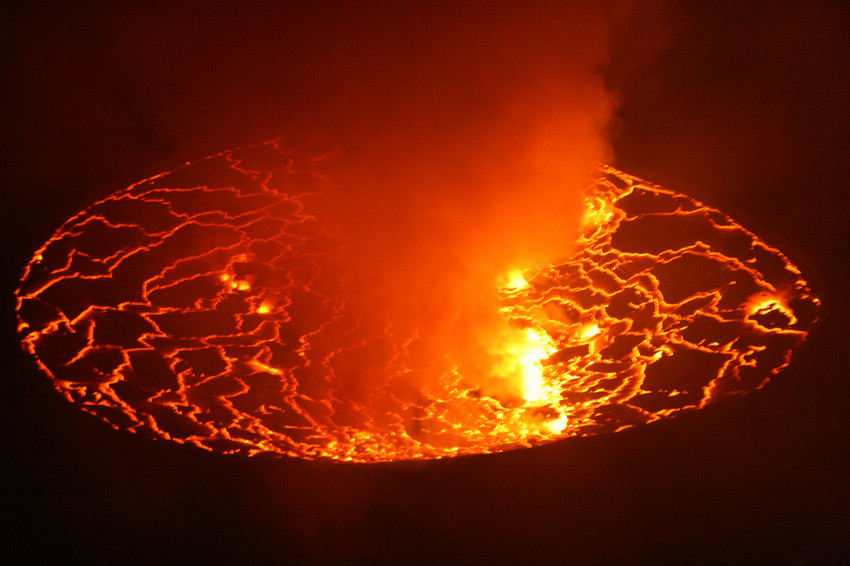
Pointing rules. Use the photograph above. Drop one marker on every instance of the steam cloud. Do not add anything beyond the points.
(465, 155)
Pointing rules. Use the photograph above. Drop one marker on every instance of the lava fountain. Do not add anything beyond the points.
(213, 306)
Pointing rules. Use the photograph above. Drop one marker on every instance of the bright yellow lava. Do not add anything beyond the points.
(514, 280)
(526, 352)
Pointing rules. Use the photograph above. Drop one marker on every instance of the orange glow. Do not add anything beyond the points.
(228, 319)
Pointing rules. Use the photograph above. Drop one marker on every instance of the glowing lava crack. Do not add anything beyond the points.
(206, 306)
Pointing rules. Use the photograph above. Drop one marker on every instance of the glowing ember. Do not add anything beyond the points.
(209, 306)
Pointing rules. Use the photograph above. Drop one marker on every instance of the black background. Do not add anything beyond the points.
(744, 107)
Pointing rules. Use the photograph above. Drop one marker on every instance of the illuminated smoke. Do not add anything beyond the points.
(214, 306)
(464, 163)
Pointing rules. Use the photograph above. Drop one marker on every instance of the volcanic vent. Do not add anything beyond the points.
(213, 306)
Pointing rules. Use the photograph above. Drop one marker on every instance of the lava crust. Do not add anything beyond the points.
(209, 306)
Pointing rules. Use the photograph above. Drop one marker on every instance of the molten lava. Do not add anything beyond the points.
(211, 306)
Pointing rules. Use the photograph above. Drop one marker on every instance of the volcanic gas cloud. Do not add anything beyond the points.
(224, 305)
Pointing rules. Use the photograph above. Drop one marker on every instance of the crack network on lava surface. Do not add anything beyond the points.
(204, 306)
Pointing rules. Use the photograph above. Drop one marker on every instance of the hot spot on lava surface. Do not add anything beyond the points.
(208, 306)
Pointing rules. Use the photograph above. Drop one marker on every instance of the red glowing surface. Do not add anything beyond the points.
(210, 306)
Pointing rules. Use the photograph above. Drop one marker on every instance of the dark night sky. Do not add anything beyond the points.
(743, 107)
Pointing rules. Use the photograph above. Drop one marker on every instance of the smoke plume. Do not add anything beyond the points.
(464, 156)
